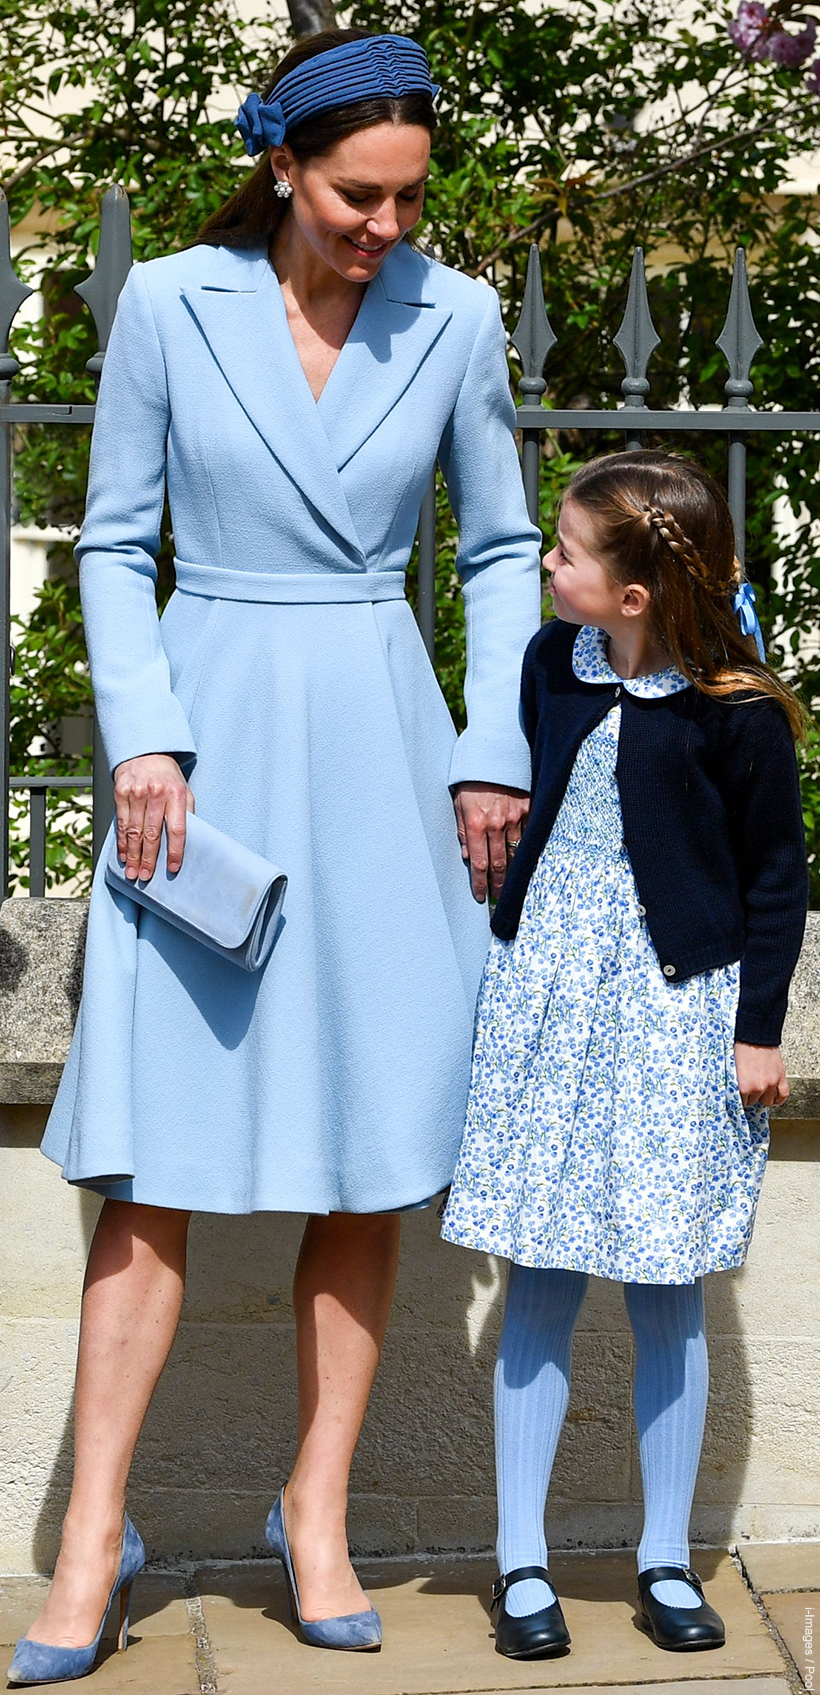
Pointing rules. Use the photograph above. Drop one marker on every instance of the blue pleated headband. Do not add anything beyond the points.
(377, 66)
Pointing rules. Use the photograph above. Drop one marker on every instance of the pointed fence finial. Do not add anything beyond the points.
(101, 290)
(739, 340)
(12, 294)
(637, 337)
(533, 337)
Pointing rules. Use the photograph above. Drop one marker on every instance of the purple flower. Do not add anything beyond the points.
(792, 50)
(747, 30)
(813, 78)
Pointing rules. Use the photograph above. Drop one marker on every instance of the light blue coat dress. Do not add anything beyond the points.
(288, 675)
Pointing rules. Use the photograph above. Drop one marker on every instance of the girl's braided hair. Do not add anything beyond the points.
(662, 521)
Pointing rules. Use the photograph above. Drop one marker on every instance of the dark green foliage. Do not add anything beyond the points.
(50, 718)
(591, 129)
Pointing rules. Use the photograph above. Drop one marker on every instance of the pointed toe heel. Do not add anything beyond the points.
(680, 1629)
(356, 1632)
(536, 1636)
(40, 1662)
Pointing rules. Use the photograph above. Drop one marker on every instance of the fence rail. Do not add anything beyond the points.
(533, 339)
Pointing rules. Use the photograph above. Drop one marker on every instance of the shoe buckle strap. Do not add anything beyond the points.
(519, 1575)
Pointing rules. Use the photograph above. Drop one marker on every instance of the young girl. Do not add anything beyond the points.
(631, 1009)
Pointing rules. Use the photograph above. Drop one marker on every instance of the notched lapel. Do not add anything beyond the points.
(247, 331)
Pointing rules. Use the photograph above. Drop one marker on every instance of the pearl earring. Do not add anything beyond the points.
(282, 189)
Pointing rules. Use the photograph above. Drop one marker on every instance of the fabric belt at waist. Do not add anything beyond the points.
(291, 588)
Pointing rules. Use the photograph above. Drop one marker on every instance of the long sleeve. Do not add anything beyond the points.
(498, 562)
(116, 552)
(770, 843)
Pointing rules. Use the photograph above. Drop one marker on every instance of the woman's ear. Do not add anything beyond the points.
(634, 600)
(281, 160)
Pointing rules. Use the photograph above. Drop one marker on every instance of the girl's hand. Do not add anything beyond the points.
(761, 1078)
(490, 820)
(148, 790)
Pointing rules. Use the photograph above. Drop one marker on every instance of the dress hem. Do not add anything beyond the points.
(555, 1262)
(116, 1187)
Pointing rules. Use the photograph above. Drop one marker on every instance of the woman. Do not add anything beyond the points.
(291, 380)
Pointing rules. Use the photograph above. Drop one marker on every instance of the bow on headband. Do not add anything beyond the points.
(261, 123)
(743, 604)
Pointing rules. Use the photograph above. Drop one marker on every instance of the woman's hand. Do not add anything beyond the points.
(490, 820)
(147, 791)
(761, 1078)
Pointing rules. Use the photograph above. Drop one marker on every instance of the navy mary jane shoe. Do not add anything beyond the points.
(40, 1662)
(354, 1631)
(537, 1635)
(678, 1628)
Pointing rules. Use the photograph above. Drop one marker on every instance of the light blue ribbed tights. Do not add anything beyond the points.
(531, 1393)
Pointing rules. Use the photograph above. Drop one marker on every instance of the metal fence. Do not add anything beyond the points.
(533, 339)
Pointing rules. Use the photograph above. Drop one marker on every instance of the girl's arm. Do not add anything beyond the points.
(770, 848)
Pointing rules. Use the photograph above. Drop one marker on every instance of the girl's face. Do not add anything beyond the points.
(353, 204)
(582, 590)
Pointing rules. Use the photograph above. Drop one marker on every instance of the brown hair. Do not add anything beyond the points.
(254, 212)
(664, 522)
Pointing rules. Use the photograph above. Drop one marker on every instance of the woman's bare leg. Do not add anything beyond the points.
(131, 1305)
(342, 1293)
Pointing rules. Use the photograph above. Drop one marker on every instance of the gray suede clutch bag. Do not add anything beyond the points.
(224, 895)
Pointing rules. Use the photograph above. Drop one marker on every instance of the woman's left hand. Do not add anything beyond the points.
(761, 1077)
(490, 821)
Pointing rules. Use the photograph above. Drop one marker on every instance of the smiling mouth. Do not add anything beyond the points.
(367, 252)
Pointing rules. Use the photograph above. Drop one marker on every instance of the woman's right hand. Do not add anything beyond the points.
(148, 791)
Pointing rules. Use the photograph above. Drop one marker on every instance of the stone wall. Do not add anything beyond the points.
(219, 1437)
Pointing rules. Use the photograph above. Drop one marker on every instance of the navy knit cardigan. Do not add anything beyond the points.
(711, 817)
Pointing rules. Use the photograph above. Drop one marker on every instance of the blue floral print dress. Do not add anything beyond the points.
(605, 1129)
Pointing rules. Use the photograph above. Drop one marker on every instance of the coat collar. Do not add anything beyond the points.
(238, 305)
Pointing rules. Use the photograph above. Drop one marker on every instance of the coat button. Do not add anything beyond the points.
(642, 911)
(669, 971)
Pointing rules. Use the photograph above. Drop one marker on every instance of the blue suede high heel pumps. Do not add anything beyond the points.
(39, 1662)
(353, 1631)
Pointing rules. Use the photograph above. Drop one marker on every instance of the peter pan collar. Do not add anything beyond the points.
(590, 664)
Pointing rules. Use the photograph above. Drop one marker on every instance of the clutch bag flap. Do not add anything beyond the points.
(224, 895)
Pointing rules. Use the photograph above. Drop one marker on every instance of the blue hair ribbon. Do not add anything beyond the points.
(743, 604)
(372, 67)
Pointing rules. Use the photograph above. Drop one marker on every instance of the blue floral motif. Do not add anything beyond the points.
(605, 1130)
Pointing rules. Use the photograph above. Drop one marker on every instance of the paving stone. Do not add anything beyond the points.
(154, 1666)
(157, 1607)
(797, 1617)
(781, 1565)
(438, 1636)
(705, 1686)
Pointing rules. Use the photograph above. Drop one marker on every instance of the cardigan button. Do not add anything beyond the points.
(642, 911)
(669, 971)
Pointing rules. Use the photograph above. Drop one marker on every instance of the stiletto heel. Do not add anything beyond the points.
(355, 1631)
(41, 1662)
(125, 1618)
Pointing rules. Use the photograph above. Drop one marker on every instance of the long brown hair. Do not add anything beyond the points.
(254, 212)
(664, 522)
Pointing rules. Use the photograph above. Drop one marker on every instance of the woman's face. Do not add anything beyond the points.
(353, 204)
